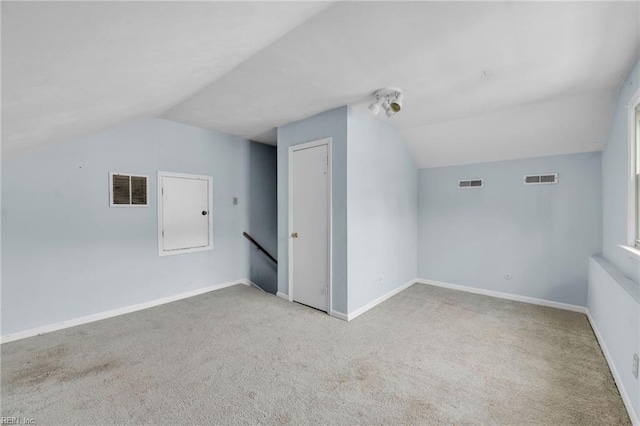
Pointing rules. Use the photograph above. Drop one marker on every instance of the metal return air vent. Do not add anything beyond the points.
(546, 179)
(128, 190)
(473, 183)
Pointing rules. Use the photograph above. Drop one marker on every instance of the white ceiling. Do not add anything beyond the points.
(74, 68)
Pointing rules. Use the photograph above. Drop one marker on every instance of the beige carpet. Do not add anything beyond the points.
(240, 356)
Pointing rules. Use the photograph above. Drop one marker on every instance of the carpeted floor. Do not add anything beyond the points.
(240, 356)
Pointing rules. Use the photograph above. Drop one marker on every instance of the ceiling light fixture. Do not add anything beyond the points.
(375, 107)
(389, 98)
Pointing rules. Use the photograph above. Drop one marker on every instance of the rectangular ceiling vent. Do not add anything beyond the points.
(128, 190)
(471, 183)
(546, 179)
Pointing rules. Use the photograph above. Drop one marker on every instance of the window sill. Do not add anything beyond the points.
(632, 250)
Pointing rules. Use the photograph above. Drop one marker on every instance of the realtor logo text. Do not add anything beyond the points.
(17, 421)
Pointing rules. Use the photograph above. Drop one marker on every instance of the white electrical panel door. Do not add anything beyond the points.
(184, 213)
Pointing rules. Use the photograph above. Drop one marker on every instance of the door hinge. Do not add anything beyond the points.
(163, 233)
(162, 191)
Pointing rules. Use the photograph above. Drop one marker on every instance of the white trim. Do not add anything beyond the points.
(252, 284)
(111, 204)
(282, 295)
(631, 168)
(507, 296)
(379, 300)
(209, 179)
(614, 372)
(631, 250)
(330, 213)
(289, 225)
(292, 149)
(340, 315)
(115, 312)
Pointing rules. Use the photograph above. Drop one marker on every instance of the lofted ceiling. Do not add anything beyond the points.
(73, 68)
(484, 81)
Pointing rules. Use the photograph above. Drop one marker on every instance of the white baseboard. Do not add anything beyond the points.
(339, 315)
(614, 372)
(378, 301)
(507, 296)
(252, 284)
(333, 313)
(115, 312)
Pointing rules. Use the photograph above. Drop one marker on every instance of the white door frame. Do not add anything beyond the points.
(292, 149)
(209, 179)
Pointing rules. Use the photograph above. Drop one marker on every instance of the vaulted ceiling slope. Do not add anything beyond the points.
(73, 68)
(553, 71)
(484, 81)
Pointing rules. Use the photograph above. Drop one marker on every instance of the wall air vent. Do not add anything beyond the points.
(471, 183)
(126, 190)
(546, 179)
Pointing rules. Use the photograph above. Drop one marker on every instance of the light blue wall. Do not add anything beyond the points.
(332, 124)
(382, 209)
(614, 305)
(542, 235)
(67, 254)
(614, 182)
(263, 214)
(615, 312)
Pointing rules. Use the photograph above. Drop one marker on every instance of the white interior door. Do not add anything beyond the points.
(310, 226)
(185, 213)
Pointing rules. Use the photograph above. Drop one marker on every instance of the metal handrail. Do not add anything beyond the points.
(260, 248)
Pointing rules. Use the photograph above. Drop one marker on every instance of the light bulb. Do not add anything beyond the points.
(396, 105)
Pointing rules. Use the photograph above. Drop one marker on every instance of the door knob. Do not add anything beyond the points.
(294, 235)
(204, 213)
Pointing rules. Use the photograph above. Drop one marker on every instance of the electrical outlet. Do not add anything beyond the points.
(381, 279)
(235, 201)
(635, 365)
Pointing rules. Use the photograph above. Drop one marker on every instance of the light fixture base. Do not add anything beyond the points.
(386, 92)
